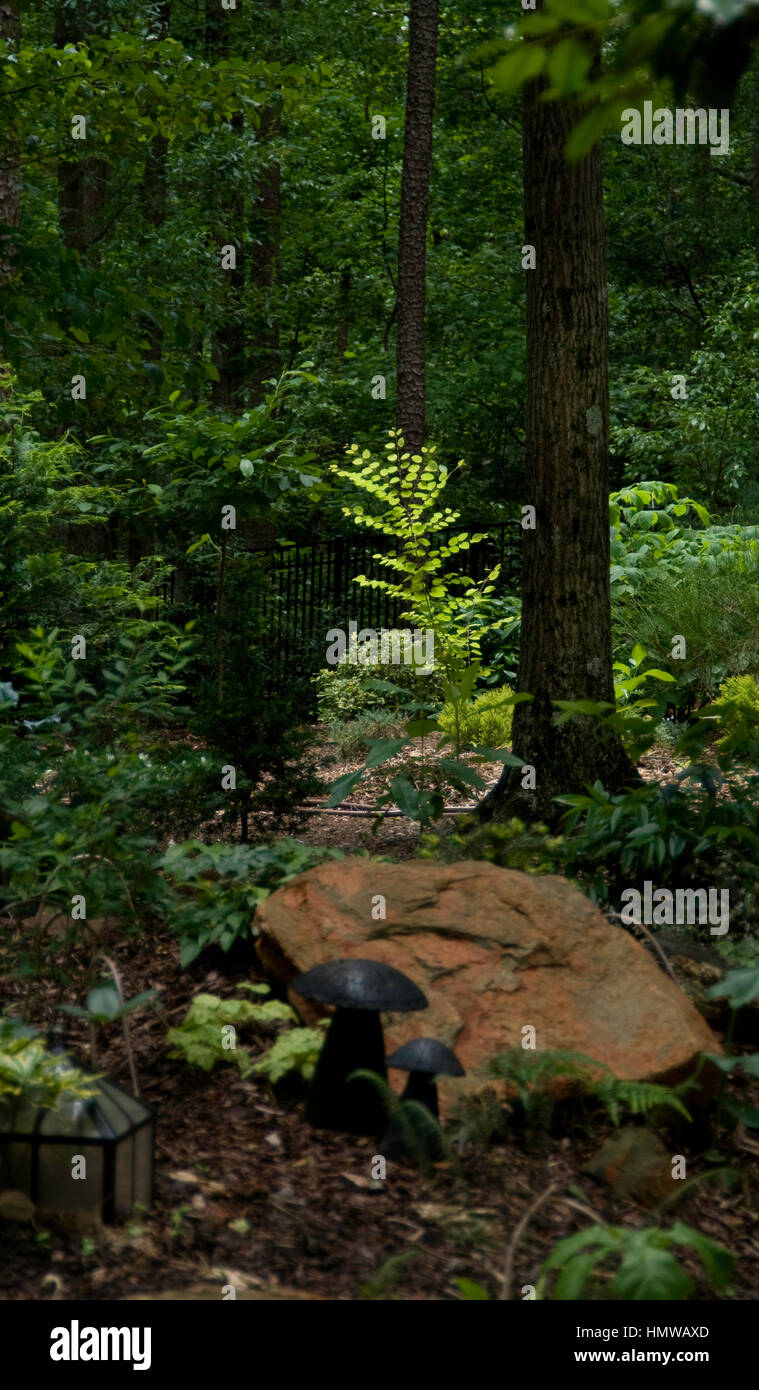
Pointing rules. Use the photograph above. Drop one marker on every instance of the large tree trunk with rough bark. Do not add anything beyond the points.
(566, 624)
(412, 236)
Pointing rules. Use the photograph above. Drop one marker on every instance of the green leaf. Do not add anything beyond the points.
(518, 67)
(104, 1001)
(717, 1261)
(568, 66)
(649, 1272)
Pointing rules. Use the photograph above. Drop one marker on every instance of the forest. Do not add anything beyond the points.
(379, 653)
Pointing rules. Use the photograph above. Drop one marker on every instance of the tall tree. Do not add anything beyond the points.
(266, 228)
(82, 178)
(9, 184)
(566, 651)
(412, 236)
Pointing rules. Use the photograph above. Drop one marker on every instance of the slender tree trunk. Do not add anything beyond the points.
(10, 210)
(412, 236)
(82, 180)
(228, 339)
(10, 30)
(566, 624)
(266, 225)
(154, 191)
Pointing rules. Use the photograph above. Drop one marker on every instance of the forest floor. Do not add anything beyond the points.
(247, 1194)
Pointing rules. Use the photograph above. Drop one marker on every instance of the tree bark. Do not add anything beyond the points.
(10, 203)
(83, 180)
(228, 338)
(565, 649)
(266, 227)
(412, 235)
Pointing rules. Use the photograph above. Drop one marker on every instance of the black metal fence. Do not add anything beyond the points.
(299, 592)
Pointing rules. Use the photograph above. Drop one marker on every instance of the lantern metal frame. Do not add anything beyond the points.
(106, 1140)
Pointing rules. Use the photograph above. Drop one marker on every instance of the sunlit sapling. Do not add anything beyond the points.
(359, 990)
(424, 1059)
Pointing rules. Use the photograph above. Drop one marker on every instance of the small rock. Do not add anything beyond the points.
(635, 1165)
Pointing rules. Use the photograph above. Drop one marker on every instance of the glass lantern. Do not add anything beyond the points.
(91, 1158)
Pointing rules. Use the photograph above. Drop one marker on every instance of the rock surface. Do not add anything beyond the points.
(635, 1165)
(495, 950)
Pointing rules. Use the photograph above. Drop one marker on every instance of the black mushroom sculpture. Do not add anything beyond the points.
(423, 1059)
(359, 990)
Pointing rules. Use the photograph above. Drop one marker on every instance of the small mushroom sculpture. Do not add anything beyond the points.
(423, 1059)
(360, 990)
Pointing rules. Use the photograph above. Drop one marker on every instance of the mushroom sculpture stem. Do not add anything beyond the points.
(354, 1042)
(421, 1087)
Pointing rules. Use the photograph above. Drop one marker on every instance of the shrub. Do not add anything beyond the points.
(217, 888)
(737, 707)
(647, 1267)
(715, 609)
(201, 1039)
(360, 683)
(485, 721)
(353, 738)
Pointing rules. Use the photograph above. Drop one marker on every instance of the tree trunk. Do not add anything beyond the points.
(266, 231)
(82, 180)
(228, 338)
(412, 235)
(10, 31)
(566, 609)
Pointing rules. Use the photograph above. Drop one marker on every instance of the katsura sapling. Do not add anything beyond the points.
(359, 990)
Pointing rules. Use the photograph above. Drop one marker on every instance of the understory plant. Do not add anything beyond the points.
(646, 1264)
(216, 888)
(208, 1034)
(32, 1075)
(535, 1074)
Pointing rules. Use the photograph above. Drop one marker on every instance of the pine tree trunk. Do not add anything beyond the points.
(566, 624)
(412, 235)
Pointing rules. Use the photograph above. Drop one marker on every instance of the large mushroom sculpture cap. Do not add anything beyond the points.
(358, 983)
(359, 989)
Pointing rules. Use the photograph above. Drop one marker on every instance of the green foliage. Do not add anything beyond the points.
(486, 720)
(683, 46)
(647, 1267)
(30, 1075)
(353, 738)
(342, 694)
(105, 1006)
(409, 488)
(692, 831)
(422, 1134)
(716, 610)
(296, 1051)
(365, 681)
(200, 1039)
(382, 1284)
(533, 1074)
(737, 712)
(217, 888)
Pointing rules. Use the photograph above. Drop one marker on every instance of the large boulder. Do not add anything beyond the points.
(494, 950)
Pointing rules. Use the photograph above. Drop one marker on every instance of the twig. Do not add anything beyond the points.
(125, 1021)
(519, 1231)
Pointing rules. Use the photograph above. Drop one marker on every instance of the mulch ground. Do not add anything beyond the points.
(246, 1193)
